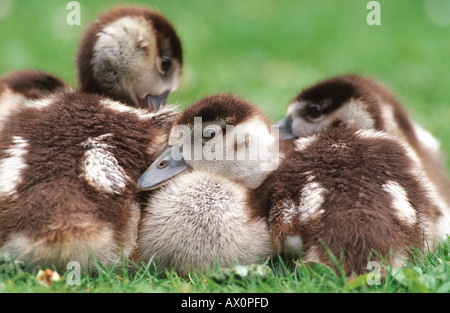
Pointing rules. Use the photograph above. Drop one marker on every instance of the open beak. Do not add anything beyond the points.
(161, 170)
(286, 128)
(152, 103)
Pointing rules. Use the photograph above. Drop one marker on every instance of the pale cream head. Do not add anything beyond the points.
(132, 55)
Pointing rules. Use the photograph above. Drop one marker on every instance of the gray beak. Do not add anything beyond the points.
(154, 102)
(164, 168)
(285, 128)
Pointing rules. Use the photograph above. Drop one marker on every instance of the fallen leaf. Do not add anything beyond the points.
(47, 277)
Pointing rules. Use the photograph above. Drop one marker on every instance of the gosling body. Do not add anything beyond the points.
(353, 194)
(68, 166)
(204, 218)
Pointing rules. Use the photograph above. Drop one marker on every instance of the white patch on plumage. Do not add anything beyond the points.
(400, 203)
(303, 143)
(122, 108)
(198, 219)
(426, 139)
(9, 100)
(12, 165)
(165, 112)
(390, 124)
(374, 134)
(41, 103)
(100, 168)
(353, 113)
(289, 210)
(311, 200)
(309, 176)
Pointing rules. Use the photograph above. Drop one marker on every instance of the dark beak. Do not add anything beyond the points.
(285, 128)
(153, 102)
(164, 168)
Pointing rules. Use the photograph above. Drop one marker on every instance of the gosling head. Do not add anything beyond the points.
(349, 99)
(220, 134)
(32, 84)
(130, 54)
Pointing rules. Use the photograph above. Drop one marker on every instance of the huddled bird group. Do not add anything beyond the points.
(109, 171)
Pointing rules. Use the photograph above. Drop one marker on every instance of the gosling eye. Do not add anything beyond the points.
(162, 164)
(314, 111)
(209, 134)
(165, 64)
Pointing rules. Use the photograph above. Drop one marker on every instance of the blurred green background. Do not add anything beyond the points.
(265, 50)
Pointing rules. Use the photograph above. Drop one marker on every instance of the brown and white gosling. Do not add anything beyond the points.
(68, 177)
(364, 103)
(358, 193)
(201, 216)
(131, 54)
(20, 86)
(30, 84)
(68, 171)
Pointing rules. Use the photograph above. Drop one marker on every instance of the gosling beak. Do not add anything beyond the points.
(151, 103)
(165, 167)
(286, 128)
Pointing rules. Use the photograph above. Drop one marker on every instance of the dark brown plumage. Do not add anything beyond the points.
(227, 107)
(361, 193)
(31, 84)
(68, 169)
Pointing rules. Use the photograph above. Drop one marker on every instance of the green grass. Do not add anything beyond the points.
(265, 51)
(429, 272)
